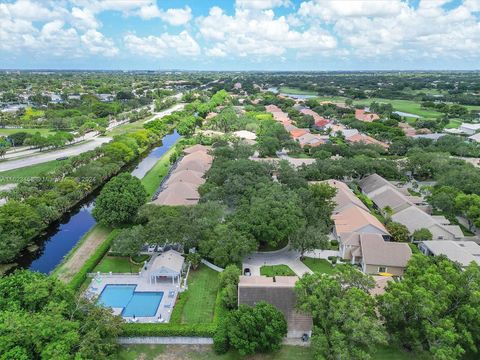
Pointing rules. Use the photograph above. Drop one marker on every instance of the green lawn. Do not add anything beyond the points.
(454, 124)
(205, 352)
(29, 171)
(117, 264)
(319, 266)
(296, 91)
(408, 106)
(154, 176)
(42, 131)
(201, 294)
(144, 352)
(127, 128)
(276, 270)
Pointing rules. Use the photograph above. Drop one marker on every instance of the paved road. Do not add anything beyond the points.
(166, 112)
(285, 256)
(26, 151)
(52, 155)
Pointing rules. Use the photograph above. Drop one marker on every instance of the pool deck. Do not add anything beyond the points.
(167, 303)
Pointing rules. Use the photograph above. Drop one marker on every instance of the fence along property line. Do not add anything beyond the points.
(212, 266)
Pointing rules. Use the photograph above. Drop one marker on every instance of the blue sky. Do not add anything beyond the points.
(240, 34)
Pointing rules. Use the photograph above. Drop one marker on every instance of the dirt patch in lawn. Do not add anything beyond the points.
(82, 253)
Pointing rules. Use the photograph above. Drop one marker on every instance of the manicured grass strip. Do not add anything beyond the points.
(90, 264)
(42, 131)
(117, 264)
(154, 176)
(202, 293)
(319, 266)
(140, 351)
(276, 270)
(17, 175)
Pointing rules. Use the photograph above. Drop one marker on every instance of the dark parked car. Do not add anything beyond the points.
(247, 272)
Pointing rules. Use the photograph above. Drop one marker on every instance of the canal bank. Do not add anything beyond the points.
(96, 236)
(63, 236)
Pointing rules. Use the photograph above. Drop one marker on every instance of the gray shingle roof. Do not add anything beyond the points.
(376, 251)
(463, 252)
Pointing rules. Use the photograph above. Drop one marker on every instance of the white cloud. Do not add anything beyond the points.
(258, 33)
(165, 45)
(331, 10)
(177, 17)
(394, 28)
(260, 4)
(215, 52)
(96, 43)
(84, 18)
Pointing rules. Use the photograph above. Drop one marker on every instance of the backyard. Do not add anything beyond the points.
(197, 304)
(154, 176)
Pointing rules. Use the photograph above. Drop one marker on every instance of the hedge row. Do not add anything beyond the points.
(176, 317)
(92, 261)
(137, 329)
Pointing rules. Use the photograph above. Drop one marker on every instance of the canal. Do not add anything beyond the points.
(62, 236)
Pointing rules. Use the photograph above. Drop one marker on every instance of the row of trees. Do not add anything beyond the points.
(433, 309)
(37, 202)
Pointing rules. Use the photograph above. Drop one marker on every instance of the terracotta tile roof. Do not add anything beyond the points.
(362, 138)
(355, 219)
(297, 133)
(362, 115)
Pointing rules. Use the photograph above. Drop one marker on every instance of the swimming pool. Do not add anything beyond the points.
(133, 303)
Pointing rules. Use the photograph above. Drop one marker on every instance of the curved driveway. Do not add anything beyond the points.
(285, 256)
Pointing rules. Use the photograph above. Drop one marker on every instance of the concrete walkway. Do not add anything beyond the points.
(167, 340)
(321, 254)
(285, 256)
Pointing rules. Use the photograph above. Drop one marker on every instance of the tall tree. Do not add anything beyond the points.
(436, 307)
(119, 200)
(41, 318)
(345, 323)
(309, 238)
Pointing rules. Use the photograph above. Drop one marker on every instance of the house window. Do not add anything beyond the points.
(382, 269)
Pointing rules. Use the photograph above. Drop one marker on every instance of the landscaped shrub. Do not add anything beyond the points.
(334, 243)
(220, 339)
(176, 317)
(137, 329)
(93, 261)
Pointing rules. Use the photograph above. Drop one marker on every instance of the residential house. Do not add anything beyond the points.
(355, 219)
(362, 115)
(469, 129)
(365, 139)
(374, 254)
(319, 121)
(463, 252)
(277, 113)
(278, 291)
(296, 133)
(344, 197)
(181, 186)
(475, 138)
(311, 140)
(415, 219)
